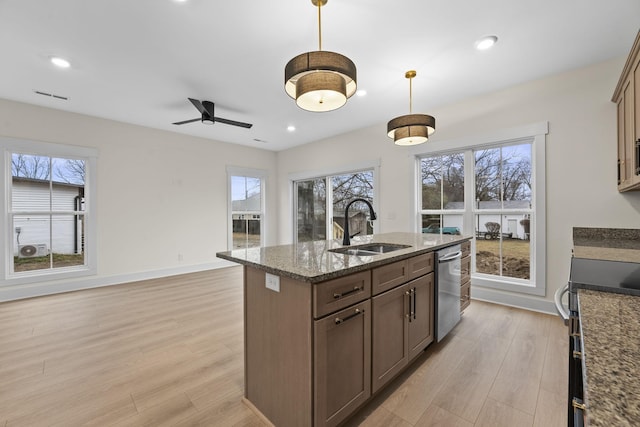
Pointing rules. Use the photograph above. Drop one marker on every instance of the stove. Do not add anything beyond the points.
(606, 276)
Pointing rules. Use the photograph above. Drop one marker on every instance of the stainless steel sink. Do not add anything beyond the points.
(369, 249)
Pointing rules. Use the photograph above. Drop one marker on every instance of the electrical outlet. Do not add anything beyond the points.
(18, 230)
(272, 282)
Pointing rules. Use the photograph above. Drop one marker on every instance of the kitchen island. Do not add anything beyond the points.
(325, 331)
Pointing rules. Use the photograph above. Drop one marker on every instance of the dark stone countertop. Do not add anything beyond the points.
(610, 327)
(613, 244)
(313, 262)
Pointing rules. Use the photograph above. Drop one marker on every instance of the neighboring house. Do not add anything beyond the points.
(61, 234)
(509, 222)
(246, 215)
(358, 223)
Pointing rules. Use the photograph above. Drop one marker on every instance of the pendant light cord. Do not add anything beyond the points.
(410, 96)
(319, 26)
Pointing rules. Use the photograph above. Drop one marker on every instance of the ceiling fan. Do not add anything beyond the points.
(206, 109)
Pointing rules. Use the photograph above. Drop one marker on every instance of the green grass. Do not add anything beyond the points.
(43, 262)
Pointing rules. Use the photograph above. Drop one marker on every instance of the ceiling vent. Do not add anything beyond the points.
(51, 95)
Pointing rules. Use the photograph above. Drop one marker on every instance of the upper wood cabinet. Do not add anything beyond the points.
(627, 98)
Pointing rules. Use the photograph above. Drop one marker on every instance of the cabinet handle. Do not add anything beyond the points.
(637, 165)
(344, 294)
(413, 301)
(619, 181)
(357, 312)
(408, 315)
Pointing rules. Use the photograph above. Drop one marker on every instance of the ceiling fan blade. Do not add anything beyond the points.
(198, 105)
(188, 121)
(232, 122)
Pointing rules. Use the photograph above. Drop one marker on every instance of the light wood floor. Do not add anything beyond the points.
(170, 352)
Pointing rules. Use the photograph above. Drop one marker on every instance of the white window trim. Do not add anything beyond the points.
(90, 156)
(330, 171)
(534, 133)
(252, 173)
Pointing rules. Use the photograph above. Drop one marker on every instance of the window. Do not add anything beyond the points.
(247, 208)
(442, 195)
(320, 205)
(49, 215)
(494, 191)
(503, 210)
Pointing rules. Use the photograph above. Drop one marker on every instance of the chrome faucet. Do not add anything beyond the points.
(346, 238)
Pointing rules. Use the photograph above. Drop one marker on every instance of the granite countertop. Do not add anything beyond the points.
(610, 326)
(312, 262)
(613, 244)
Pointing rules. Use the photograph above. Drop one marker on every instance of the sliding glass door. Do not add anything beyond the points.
(320, 205)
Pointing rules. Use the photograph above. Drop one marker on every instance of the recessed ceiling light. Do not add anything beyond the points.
(291, 128)
(361, 92)
(60, 62)
(486, 42)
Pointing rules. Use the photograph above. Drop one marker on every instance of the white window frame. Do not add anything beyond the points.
(251, 173)
(90, 156)
(536, 135)
(324, 174)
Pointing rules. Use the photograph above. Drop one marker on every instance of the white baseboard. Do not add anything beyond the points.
(11, 293)
(513, 300)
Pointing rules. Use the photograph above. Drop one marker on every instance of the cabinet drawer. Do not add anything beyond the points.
(465, 269)
(465, 295)
(389, 276)
(466, 248)
(420, 265)
(341, 292)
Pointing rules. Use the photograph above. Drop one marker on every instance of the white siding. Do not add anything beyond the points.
(57, 233)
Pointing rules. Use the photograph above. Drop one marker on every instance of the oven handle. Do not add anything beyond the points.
(557, 297)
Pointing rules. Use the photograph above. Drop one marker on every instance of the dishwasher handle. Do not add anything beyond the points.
(450, 257)
(557, 298)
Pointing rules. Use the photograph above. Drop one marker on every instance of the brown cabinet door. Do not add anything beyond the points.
(389, 332)
(339, 293)
(342, 369)
(420, 265)
(421, 314)
(389, 276)
(465, 269)
(465, 295)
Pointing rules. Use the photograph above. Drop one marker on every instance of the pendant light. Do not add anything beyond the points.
(320, 80)
(411, 129)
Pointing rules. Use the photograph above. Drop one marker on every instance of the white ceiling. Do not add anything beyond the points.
(137, 61)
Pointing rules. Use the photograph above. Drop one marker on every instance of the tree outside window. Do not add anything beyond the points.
(47, 212)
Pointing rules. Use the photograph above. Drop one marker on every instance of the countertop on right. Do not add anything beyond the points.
(610, 326)
(613, 244)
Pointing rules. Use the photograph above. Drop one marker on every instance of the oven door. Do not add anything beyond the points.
(571, 318)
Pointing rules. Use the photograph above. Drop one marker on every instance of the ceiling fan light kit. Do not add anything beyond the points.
(411, 129)
(320, 80)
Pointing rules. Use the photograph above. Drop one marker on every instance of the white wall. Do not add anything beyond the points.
(581, 161)
(159, 194)
(162, 194)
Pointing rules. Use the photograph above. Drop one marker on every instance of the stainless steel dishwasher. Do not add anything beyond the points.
(447, 290)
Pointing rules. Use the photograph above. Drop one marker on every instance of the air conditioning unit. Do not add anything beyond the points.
(31, 251)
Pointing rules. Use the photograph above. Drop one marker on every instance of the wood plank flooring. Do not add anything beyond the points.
(169, 352)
